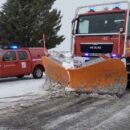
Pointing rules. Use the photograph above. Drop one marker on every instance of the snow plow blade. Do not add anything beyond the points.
(108, 76)
(55, 71)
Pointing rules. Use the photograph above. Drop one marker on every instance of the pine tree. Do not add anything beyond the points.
(25, 21)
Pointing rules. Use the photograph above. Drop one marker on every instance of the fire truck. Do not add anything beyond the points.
(101, 44)
(21, 61)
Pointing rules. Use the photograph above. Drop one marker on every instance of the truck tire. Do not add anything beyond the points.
(20, 76)
(38, 73)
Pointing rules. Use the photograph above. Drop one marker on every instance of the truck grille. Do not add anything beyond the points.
(96, 47)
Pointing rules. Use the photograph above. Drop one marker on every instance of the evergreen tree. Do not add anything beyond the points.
(25, 21)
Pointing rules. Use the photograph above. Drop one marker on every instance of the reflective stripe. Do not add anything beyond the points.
(36, 59)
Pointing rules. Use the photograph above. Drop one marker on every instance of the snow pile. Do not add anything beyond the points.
(63, 58)
(54, 89)
(68, 65)
(68, 61)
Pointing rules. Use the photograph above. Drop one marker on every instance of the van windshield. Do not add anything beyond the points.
(101, 23)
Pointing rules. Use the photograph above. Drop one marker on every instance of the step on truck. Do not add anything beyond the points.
(100, 47)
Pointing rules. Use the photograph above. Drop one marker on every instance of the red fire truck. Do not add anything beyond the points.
(21, 61)
(101, 45)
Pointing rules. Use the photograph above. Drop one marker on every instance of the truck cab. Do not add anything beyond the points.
(102, 32)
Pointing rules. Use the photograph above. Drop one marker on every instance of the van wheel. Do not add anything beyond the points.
(38, 73)
(20, 76)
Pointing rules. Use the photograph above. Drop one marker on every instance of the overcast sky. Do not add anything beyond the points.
(1, 2)
(67, 8)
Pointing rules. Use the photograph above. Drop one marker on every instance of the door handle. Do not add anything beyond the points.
(16, 62)
(27, 61)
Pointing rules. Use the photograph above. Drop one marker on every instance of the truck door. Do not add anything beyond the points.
(1, 55)
(9, 64)
(24, 64)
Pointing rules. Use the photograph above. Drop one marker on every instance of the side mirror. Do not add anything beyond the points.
(73, 25)
(6, 59)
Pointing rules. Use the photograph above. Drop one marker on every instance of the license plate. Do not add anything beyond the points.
(94, 54)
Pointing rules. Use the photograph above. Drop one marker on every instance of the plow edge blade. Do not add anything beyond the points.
(106, 76)
(55, 71)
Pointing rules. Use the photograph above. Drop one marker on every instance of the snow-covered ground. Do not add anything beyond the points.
(25, 105)
(14, 89)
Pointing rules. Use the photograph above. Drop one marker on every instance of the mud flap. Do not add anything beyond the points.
(106, 76)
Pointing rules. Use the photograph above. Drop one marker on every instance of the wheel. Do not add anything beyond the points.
(20, 76)
(38, 72)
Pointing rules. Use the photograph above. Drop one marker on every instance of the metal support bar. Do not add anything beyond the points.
(126, 30)
(101, 4)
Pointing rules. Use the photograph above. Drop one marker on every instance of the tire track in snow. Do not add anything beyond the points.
(102, 113)
(66, 119)
(118, 121)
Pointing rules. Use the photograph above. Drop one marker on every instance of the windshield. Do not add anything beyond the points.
(1, 53)
(100, 23)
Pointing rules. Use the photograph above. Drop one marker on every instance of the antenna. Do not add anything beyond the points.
(44, 41)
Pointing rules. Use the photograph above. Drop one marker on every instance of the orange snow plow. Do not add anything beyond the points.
(108, 76)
